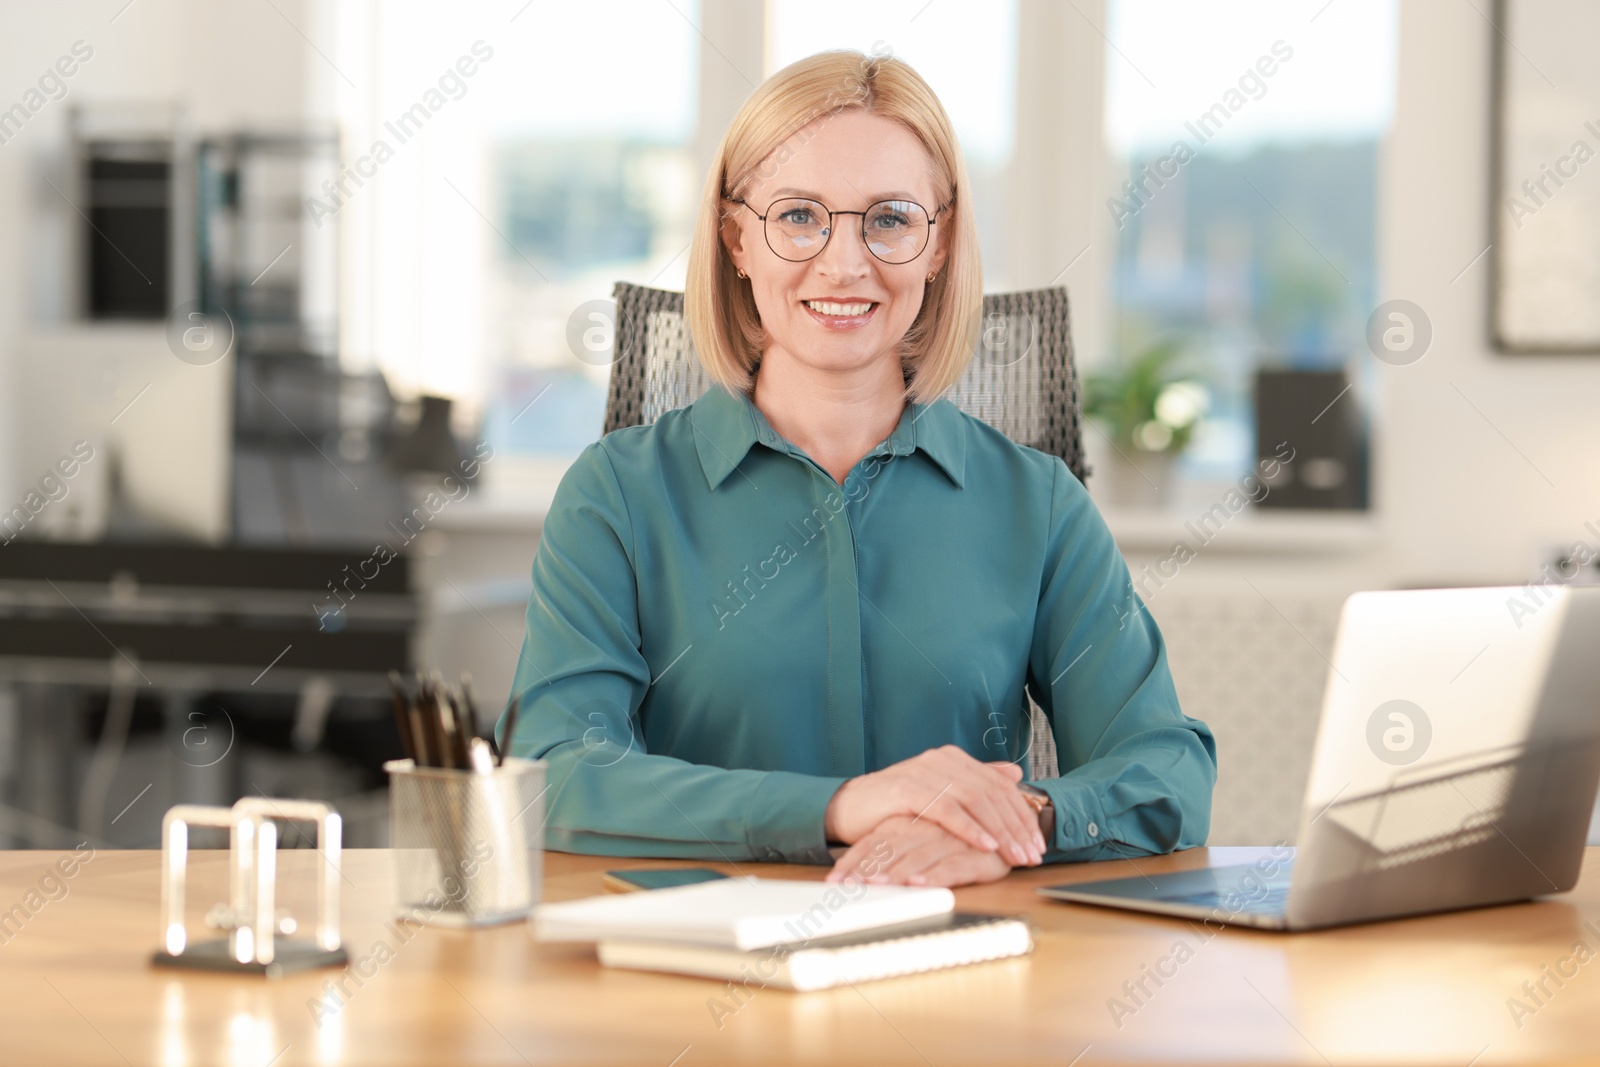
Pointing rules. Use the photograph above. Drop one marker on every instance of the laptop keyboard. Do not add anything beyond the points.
(1273, 902)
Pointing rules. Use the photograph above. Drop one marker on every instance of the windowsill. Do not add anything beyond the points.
(1251, 531)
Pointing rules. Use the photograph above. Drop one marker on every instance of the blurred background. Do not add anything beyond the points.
(289, 292)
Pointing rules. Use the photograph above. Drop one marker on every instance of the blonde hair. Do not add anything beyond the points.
(721, 314)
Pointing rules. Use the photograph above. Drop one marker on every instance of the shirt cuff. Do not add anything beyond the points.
(1080, 821)
(786, 816)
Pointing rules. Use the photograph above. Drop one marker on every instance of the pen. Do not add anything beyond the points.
(436, 707)
(511, 728)
(470, 705)
(481, 760)
(402, 715)
(429, 741)
(419, 736)
(461, 730)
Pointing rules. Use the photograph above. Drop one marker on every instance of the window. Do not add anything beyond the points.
(1245, 138)
(591, 163)
(508, 198)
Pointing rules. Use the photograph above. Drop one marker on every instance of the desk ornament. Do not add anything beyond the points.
(254, 923)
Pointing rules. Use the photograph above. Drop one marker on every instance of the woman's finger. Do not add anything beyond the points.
(1021, 828)
(919, 855)
(966, 867)
(991, 797)
(868, 857)
(951, 815)
(950, 773)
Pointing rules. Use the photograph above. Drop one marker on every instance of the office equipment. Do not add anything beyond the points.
(211, 617)
(260, 258)
(187, 621)
(951, 940)
(739, 913)
(430, 445)
(402, 716)
(308, 453)
(467, 843)
(1456, 766)
(251, 917)
(511, 726)
(133, 193)
(1318, 415)
(1430, 991)
(670, 878)
(1022, 380)
(439, 724)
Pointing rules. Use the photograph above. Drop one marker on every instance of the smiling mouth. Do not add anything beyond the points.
(829, 307)
(839, 315)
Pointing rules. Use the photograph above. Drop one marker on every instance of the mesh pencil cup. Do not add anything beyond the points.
(467, 846)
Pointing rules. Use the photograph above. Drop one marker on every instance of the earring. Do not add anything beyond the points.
(740, 272)
(932, 275)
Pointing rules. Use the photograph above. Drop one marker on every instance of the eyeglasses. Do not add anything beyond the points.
(797, 229)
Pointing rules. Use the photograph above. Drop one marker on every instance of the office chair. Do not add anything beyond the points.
(1021, 381)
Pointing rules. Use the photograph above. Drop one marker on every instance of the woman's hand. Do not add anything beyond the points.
(976, 802)
(908, 851)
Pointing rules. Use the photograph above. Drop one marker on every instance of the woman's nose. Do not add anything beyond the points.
(845, 255)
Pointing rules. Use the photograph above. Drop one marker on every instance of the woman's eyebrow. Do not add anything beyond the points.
(809, 195)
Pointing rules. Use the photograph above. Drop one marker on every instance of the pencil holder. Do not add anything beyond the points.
(467, 845)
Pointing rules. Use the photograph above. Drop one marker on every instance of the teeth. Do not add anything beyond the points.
(823, 307)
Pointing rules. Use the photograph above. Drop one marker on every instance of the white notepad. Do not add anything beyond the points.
(932, 944)
(741, 913)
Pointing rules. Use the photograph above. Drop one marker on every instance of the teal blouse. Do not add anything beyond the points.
(720, 635)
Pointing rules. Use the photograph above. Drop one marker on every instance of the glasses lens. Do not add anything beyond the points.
(895, 230)
(797, 229)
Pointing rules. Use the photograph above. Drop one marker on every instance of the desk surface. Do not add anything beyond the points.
(76, 986)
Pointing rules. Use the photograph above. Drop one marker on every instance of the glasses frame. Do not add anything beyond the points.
(933, 220)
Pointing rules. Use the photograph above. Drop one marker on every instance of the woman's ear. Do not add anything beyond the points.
(944, 233)
(732, 235)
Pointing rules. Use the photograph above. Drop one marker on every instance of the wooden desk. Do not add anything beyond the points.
(76, 987)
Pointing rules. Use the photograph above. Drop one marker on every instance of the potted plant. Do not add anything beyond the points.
(1149, 412)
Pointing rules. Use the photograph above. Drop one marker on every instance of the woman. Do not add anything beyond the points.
(805, 611)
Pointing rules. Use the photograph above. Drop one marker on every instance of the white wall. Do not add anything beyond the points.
(1459, 503)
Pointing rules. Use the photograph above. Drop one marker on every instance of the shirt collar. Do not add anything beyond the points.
(726, 426)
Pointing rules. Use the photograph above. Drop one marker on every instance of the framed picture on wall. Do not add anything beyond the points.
(1546, 177)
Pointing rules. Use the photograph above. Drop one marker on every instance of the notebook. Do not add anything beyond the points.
(739, 913)
(950, 940)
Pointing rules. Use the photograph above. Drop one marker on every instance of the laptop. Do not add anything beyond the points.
(1456, 765)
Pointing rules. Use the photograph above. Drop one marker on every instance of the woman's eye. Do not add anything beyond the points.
(797, 217)
(890, 221)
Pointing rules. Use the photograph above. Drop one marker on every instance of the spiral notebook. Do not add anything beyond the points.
(950, 940)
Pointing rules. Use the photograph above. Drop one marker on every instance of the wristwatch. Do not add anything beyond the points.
(1040, 802)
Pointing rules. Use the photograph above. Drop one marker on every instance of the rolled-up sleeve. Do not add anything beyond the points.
(1137, 773)
(581, 677)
